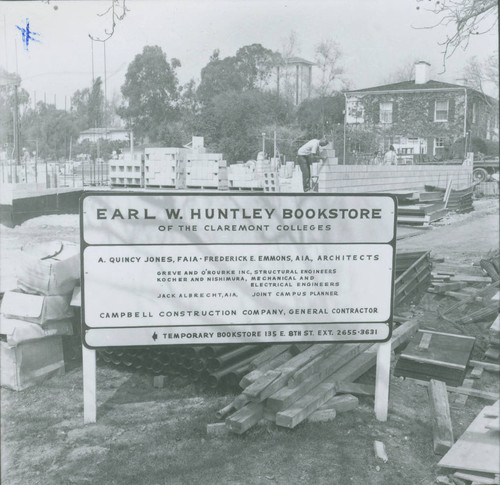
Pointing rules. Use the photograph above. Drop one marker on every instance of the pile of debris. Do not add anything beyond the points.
(315, 384)
(35, 316)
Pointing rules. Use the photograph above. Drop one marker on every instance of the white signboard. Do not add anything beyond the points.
(192, 268)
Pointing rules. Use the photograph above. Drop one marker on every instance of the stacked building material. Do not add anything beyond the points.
(436, 355)
(242, 176)
(35, 316)
(459, 200)
(413, 276)
(291, 392)
(421, 214)
(202, 170)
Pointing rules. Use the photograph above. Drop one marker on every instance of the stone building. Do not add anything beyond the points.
(424, 119)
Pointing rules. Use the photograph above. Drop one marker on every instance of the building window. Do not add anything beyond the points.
(474, 113)
(385, 112)
(441, 112)
(439, 145)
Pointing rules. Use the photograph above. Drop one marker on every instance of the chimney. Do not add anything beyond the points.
(421, 72)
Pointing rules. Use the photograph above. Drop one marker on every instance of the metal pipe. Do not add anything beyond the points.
(218, 362)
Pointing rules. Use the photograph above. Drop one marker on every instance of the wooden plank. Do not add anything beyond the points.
(447, 193)
(355, 388)
(284, 397)
(489, 396)
(217, 429)
(461, 399)
(304, 372)
(477, 372)
(268, 354)
(256, 374)
(306, 405)
(478, 449)
(425, 341)
(489, 366)
(442, 430)
(470, 279)
(274, 380)
(245, 418)
(322, 416)
(341, 404)
(482, 478)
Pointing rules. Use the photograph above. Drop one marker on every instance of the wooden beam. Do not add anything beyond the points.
(489, 396)
(489, 366)
(305, 406)
(355, 388)
(341, 404)
(442, 430)
(245, 418)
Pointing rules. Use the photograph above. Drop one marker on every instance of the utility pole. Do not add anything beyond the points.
(16, 126)
(105, 96)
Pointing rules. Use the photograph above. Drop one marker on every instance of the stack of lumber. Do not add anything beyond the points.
(459, 200)
(475, 455)
(436, 355)
(421, 214)
(420, 208)
(475, 290)
(314, 384)
(35, 316)
(413, 276)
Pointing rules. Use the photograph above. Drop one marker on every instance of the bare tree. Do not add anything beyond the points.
(290, 47)
(328, 57)
(115, 12)
(466, 18)
(482, 75)
(405, 72)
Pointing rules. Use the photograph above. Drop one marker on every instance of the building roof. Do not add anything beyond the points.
(99, 131)
(410, 85)
(299, 60)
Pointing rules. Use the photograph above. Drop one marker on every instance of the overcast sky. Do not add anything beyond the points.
(376, 37)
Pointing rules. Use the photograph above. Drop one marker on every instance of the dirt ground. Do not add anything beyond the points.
(155, 436)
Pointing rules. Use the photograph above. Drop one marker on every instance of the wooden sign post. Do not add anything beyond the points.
(245, 268)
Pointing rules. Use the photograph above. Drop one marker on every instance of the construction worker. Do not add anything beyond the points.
(391, 158)
(306, 156)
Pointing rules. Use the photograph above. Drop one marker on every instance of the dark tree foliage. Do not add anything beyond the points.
(151, 93)
(52, 128)
(317, 116)
(250, 68)
(88, 106)
(232, 123)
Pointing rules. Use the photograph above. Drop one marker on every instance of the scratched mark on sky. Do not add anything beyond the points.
(27, 35)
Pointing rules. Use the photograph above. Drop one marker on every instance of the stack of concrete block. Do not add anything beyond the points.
(202, 169)
(242, 176)
(290, 178)
(160, 165)
(35, 316)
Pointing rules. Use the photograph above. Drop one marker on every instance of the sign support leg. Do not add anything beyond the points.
(383, 374)
(89, 385)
